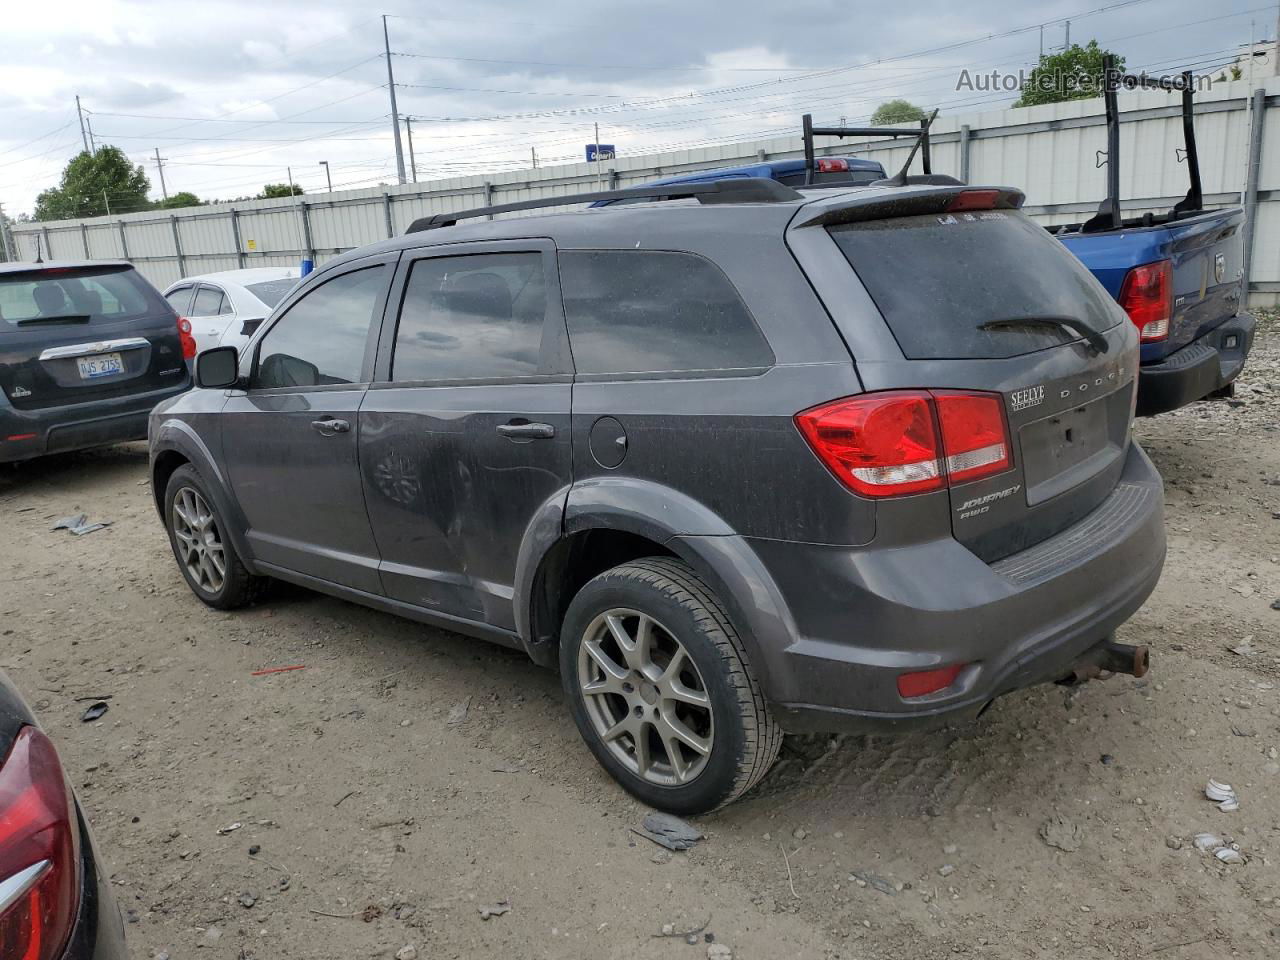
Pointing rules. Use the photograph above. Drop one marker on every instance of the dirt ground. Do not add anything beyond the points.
(383, 816)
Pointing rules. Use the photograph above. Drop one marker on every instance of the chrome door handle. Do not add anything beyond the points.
(330, 427)
(527, 431)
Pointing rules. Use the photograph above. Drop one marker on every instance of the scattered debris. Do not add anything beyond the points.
(223, 831)
(1243, 732)
(799, 833)
(1223, 794)
(496, 910)
(371, 913)
(718, 951)
(791, 881)
(407, 952)
(1107, 759)
(346, 796)
(669, 930)
(1207, 842)
(1173, 843)
(247, 900)
(1228, 855)
(946, 870)
(95, 712)
(507, 768)
(1062, 833)
(1244, 648)
(876, 881)
(77, 525)
(668, 831)
(458, 712)
(253, 850)
(263, 673)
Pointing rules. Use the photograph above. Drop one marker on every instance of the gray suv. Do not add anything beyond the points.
(740, 460)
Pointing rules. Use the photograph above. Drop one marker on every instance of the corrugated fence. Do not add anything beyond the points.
(1052, 153)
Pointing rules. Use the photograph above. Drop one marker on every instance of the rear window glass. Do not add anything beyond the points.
(643, 311)
(91, 295)
(272, 292)
(938, 279)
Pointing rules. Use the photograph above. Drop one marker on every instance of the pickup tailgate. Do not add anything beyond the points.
(990, 303)
(81, 333)
(1205, 254)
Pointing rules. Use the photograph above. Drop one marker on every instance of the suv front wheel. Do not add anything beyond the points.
(661, 689)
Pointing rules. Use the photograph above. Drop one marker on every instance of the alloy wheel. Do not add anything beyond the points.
(199, 542)
(645, 697)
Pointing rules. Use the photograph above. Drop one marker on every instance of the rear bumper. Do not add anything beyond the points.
(25, 434)
(99, 930)
(864, 616)
(1198, 369)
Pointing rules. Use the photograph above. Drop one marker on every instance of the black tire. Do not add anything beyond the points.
(239, 587)
(746, 739)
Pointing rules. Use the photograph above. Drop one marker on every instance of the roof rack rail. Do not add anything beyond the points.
(745, 190)
(810, 131)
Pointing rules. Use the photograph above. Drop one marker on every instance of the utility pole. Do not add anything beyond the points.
(597, 156)
(413, 163)
(1066, 45)
(84, 138)
(391, 88)
(6, 247)
(164, 191)
(106, 201)
(534, 151)
(328, 179)
(1041, 42)
(88, 124)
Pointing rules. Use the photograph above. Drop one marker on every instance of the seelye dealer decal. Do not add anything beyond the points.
(1026, 397)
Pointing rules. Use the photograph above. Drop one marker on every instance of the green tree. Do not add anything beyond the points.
(273, 190)
(1071, 74)
(184, 198)
(92, 183)
(896, 111)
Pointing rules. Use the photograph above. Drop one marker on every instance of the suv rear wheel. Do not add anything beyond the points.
(207, 559)
(661, 689)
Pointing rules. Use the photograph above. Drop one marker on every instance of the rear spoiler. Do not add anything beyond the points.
(810, 131)
(958, 200)
(1108, 215)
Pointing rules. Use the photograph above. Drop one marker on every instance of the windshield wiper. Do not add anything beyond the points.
(66, 318)
(1081, 329)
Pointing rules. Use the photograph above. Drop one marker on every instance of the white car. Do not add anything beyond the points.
(224, 309)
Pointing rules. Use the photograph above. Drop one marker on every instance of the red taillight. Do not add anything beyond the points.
(39, 852)
(188, 341)
(924, 682)
(21, 436)
(879, 445)
(1147, 296)
(974, 200)
(974, 436)
(833, 165)
(893, 443)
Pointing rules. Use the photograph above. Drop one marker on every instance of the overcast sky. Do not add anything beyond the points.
(234, 91)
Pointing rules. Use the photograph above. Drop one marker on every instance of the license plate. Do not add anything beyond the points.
(103, 365)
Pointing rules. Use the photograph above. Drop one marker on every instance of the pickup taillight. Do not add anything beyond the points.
(1147, 296)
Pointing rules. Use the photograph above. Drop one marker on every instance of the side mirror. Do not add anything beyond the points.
(219, 367)
(249, 327)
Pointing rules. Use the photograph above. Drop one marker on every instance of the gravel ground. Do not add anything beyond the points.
(408, 777)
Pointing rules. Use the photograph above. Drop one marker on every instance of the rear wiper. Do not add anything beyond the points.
(1081, 329)
(66, 318)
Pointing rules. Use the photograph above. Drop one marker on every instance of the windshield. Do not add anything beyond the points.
(954, 285)
(272, 292)
(84, 294)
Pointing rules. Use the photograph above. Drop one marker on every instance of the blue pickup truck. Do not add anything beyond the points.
(1179, 275)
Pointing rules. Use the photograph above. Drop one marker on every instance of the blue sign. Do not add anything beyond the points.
(600, 151)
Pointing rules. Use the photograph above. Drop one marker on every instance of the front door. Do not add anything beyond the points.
(464, 434)
(290, 441)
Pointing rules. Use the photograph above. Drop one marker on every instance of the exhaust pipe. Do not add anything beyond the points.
(1111, 657)
(1125, 658)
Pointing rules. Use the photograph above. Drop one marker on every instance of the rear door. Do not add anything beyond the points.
(76, 334)
(987, 301)
(290, 441)
(465, 435)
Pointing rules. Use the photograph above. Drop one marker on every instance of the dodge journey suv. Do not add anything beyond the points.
(740, 460)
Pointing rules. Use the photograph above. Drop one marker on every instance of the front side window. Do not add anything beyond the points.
(321, 338)
(472, 317)
(646, 311)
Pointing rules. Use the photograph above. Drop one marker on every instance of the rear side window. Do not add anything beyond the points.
(70, 296)
(272, 292)
(938, 279)
(179, 299)
(208, 302)
(477, 317)
(645, 311)
(321, 338)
